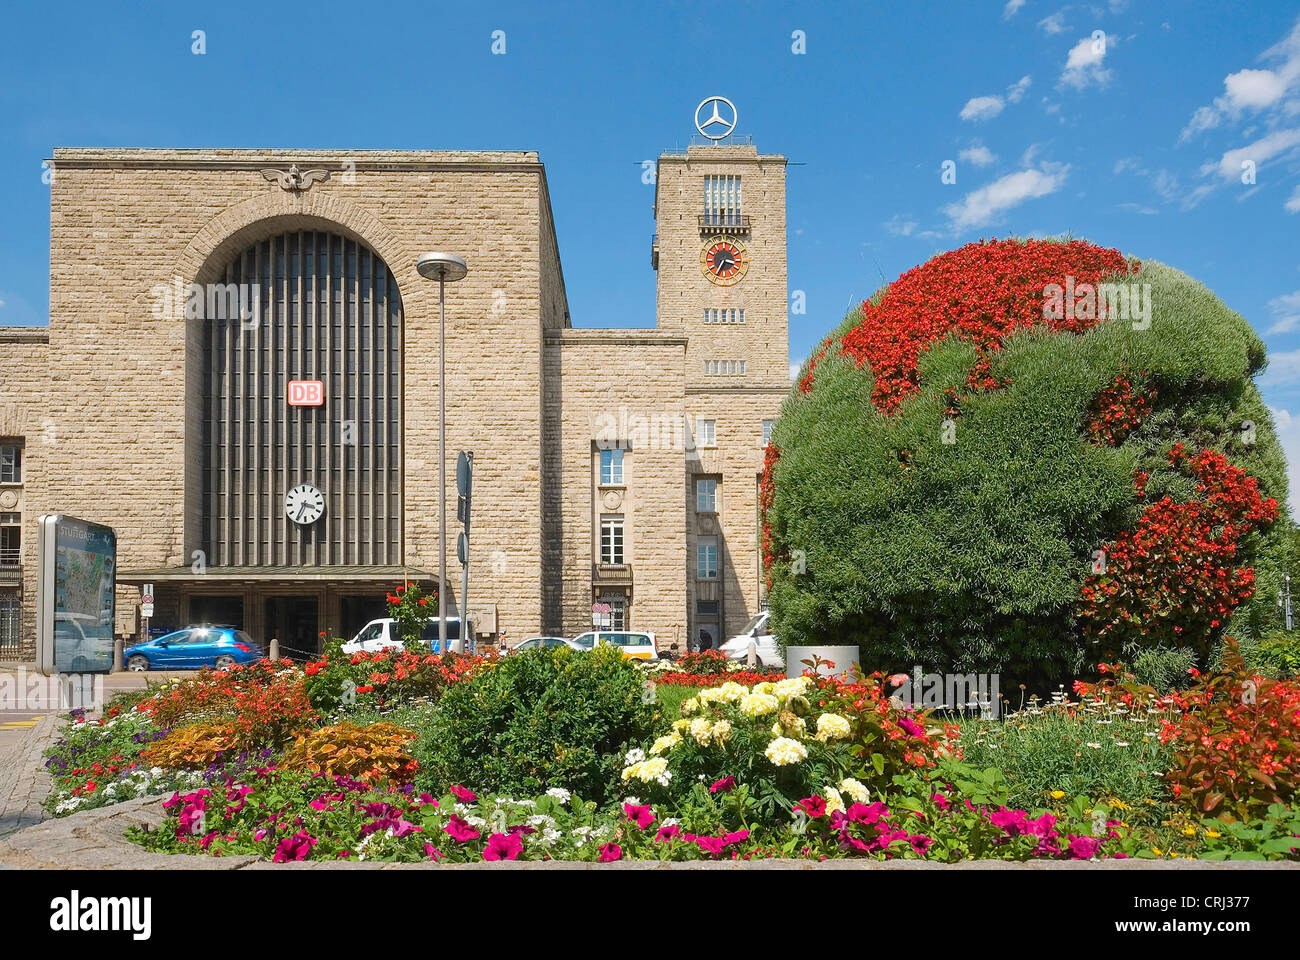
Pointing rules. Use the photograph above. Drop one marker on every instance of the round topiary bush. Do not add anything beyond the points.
(1025, 456)
(539, 719)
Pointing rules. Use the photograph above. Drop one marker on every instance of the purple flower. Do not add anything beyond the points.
(297, 847)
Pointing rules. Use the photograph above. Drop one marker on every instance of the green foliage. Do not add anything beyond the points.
(969, 556)
(1076, 749)
(542, 718)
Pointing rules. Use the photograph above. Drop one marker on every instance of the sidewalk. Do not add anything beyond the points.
(23, 780)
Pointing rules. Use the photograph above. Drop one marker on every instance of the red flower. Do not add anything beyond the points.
(814, 806)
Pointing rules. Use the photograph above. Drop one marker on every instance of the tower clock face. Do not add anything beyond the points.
(304, 504)
(724, 261)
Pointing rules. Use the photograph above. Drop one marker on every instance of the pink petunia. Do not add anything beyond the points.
(668, 833)
(432, 852)
(723, 785)
(463, 795)
(460, 829)
(610, 852)
(503, 846)
(642, 816)
(296, 847)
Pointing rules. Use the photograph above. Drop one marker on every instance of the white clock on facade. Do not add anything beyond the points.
(304, 504)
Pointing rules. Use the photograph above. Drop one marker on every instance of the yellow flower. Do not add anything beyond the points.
(632, 771)
(1057, 794)
(831, 726)
(759, 704)
(731, 691)
(783, 752)
(680, 725)
(1189, 831)
(855, 789)
(834, 802)
(701, 730)
(651, 769)
(689, 706)
(665, 743)
(1213, 833)
(720, 731)
(765, 687)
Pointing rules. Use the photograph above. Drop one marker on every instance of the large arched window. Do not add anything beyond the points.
(306, 305)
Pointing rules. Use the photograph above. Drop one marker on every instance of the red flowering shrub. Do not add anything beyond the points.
(383, 679)
(980, 293)
(411, 609)
(1236, 736)
(262, 704)
(1172, 580)
(957, 450)
(1118, 411)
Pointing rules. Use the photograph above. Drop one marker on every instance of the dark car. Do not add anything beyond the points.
(194, 647)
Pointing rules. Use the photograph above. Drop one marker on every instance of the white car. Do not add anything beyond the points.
(533, 643)
(635, 644)
(381, 634)
(765, 649)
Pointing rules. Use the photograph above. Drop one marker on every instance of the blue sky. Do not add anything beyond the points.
(1136, 142)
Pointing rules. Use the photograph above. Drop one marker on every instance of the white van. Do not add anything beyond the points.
(636, 644)
(381, 634)
(766, 650)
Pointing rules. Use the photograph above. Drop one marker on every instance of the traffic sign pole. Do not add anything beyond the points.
(464, 484)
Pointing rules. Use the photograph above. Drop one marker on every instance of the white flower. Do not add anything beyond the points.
(759, 705)
(855, 789)
(635, 755)
(831, 726)
(559, 793)
(834, 802)
(783, 751)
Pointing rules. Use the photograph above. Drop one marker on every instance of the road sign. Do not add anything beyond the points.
(462, 548)
(464, 473)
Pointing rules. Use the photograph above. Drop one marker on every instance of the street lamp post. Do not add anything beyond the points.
(445, 268)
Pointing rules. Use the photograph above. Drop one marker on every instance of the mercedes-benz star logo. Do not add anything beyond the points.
(716, 122)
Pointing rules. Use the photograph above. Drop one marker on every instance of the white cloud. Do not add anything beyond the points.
(1016, 92)
(1286, 313)
(794, 371)
(1283, 369)
(1012, 8)
(981, 108)
(1252, 91)
(900, 226)
(1261, 151)
(978, 155)
(1292, 204)
(983, 206)
(1288, 435)
(1084, 66)
(1054, 24)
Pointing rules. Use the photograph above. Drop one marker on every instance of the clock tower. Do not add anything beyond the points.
(720, 256)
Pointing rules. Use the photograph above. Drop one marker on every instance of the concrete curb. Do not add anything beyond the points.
(94, 840)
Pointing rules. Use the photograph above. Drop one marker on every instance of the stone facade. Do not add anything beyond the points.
(107, 401)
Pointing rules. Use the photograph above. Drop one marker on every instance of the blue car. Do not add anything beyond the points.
(194, 647)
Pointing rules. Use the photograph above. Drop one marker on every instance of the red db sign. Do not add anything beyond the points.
(306, 393)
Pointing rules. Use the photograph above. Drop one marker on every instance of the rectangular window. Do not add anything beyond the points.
(731, 315)
(706, 558)
(11, 545)
(706, 433)
(611, 540)
(706, 608)
(11, 621)
(767, 431)
(611, 466)
(722, 201)
(706, 495)
(617, 612)
(11, 463)
(724, 368)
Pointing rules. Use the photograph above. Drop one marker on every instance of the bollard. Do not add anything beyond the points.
(751, 657)
(119, 647)
(274, 652)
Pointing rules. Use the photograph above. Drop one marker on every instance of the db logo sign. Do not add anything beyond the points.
(306, 393)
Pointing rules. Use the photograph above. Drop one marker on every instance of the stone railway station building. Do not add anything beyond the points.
(188, 288)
